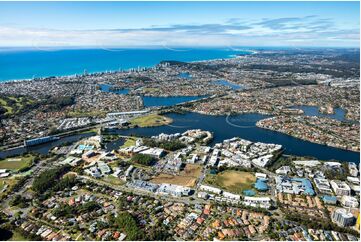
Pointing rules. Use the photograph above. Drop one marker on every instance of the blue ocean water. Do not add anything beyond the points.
(26, 64)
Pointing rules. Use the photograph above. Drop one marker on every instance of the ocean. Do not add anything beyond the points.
(26, 64)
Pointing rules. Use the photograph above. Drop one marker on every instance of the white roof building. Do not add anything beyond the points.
(155, 152)
(261, 175)
(262, 161)
(309, 163)
(262, 202)
(342, 217)
(340, 188)
(333, 164)
(173, 190)
(353, 169)
(129, 170)
(231, 196)
(284, 170)
(349, 202)
(3, 175)
(210, 189)
(323, 185)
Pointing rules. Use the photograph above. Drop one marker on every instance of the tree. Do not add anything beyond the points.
(143, 159)
(49, 178)
(171, 145)
(19, 201)
(66, 182)
(126, 222)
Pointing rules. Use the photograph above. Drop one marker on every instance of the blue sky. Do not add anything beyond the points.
(147, 24)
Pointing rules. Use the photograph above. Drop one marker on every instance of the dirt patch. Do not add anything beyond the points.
(187, 177)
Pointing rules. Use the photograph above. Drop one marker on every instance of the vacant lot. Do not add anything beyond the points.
(16, 163)
(187, 177)
(232, 181)
(151, 120)
(7, 183)
(17, 237)
(113, 180)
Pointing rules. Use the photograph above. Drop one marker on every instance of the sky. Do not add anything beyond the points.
(172, 24)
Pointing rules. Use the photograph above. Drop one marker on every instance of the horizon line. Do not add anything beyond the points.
(174, 46)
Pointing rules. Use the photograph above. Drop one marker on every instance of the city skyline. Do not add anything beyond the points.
(187, 24)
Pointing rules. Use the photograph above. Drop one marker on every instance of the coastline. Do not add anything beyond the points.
(81, 74)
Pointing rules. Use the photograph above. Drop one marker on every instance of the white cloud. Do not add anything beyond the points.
(273, 32)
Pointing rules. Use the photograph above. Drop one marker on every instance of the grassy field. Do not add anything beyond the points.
(187, 177)
(113, 180)
(3, 103)
(129, 142)
(150, 89)
(16, 163)
(14, 104)
(232, 181)
(2, 184)
(151, 120)
(79, 114)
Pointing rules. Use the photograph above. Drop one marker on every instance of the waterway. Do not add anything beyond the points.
(223, 127)
(107, 88)
(228, 84)
(339, 113)
(244, 126)
(185, 75)
(154, 101)
(113, 145)
(168, 101)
